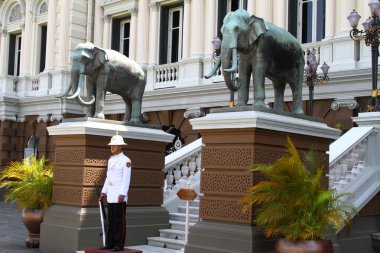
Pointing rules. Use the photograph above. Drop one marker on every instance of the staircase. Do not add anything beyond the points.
(174, 237)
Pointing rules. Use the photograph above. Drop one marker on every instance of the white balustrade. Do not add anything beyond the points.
(35, 84)
(166, 75)
(349, 167)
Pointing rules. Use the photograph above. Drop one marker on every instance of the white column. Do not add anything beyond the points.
(197, 28)
(26, 52)
(265, 10)
(210, 29)
(345, 7)
(153, 34)
(143, 32)
(186, 29)
(90, 7)
(279, 13)
(63, 35)
(133, 36)
(98, 25)
(106, 31)
(3, 52)
(330, 19)
(251, 7)
(50, 40)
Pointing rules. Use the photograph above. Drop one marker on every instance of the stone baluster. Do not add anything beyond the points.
(185, 169)
(177, 173)
(192, 166)
(169, 179)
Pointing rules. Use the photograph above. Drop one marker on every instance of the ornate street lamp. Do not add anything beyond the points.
(371, 36)
(311, 77)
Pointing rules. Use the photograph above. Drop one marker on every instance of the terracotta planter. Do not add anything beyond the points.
(32, 219)
(303, 246)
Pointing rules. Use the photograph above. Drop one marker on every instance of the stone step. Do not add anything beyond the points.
(195, 202)
(192, 209)
(153, 249)
(173, 234)
(166, 243)
(182, 217)
(179, 225)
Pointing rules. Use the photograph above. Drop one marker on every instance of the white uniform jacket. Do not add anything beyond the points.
(118, 178)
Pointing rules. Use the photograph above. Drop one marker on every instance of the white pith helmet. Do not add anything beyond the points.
(117, 140)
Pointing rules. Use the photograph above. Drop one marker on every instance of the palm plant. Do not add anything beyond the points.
(293, 202)
(28, 183)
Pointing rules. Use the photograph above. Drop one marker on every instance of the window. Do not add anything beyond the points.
(121, 32)
(225, 6)
(171, 34)
(14, 55)
(125, 31)
(307, 19)
(15, 14)
(43, 48)
(175, 35)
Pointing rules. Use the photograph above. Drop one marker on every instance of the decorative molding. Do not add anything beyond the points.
(43, 118)
(22, 25)
(57, 117)
(194, 113)
(340, 103)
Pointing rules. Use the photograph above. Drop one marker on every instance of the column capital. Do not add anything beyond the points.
(106, 18)
(44, 118)
(57, 117)
(350, 103)
(3, 32)
(155, 6)
(133, 10)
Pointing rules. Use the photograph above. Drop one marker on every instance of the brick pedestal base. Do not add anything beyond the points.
(233, 142)
(81, 155)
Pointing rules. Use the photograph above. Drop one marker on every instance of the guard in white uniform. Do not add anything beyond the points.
(116, 188)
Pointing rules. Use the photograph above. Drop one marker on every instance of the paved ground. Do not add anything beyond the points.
(12, 231)
(13, 234)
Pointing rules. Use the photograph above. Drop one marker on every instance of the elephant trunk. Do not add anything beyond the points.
(73, 84)
(226, 62)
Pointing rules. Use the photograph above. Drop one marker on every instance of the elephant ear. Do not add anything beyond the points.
(257, 27)
(100, 57)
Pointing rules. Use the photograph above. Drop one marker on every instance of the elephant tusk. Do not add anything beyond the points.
(79, 88)
(214, 69)
(65, 92)
(234, 61)
(86, 103)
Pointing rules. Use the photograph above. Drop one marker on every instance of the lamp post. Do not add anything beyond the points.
(311, 77)
(371, 36)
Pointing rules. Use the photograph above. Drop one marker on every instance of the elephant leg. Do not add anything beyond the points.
(259, 83)
(91, 91)
(128, 107)
(297, 93)
(100, 96)
(243, 92)
(279, 89)
(136, 110)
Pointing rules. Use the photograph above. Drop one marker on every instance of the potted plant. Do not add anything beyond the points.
(293, 203)
(29, 184)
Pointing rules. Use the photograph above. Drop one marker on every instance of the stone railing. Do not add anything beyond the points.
(35, 83)
(348, 161)
(183, 170)
(166, 75)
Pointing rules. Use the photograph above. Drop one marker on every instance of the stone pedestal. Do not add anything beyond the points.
(233, 142)
(81, 156)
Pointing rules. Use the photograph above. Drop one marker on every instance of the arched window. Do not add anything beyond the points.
(15, 14)
(43, 8)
